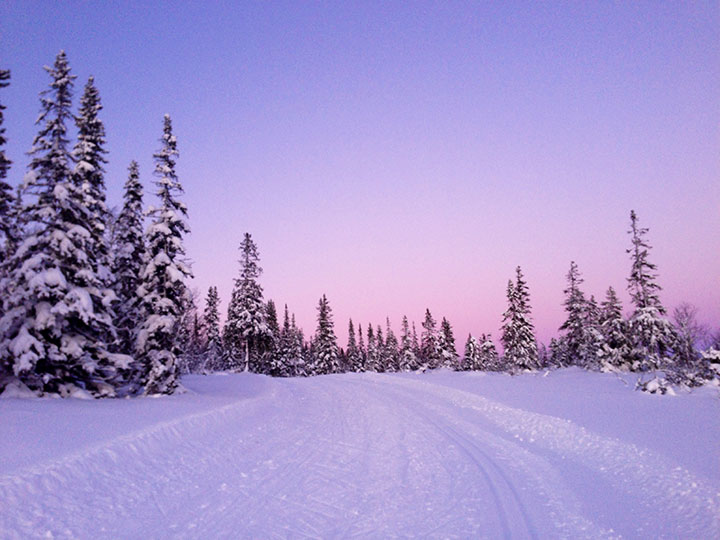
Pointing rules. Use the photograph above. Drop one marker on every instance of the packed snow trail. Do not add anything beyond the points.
(360, 455)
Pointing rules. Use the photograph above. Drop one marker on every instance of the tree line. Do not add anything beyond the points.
(98, 304)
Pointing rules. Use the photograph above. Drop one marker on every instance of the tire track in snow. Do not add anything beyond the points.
(690, 505)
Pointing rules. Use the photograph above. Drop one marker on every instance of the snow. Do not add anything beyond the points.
(441, 454)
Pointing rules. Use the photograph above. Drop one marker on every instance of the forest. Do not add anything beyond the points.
(98, 304)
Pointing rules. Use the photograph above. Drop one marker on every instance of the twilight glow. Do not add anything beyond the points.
(398, 156)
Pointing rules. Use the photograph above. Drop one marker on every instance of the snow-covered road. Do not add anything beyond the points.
(360, 455)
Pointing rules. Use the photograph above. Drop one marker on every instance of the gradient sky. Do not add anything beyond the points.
(403, 155)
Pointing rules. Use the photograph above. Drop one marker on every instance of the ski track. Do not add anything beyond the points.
(353, 456)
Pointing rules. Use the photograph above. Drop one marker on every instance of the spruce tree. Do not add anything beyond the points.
(471, 358)
(488, 356)
(372, 350)
(615, 351)
(272, 363)
(88, 177)
(352, 353)
(326, 350)
(518, 331)
(362, 351)
(446, 346)
(246, 325)
(408, 360)
(211, 319)
(574, 326)
(128, 261)
(651, 334)
(6, 192)
(430, 354)
(162, 280)
(380, 360)
(392, 353)
(55, 312)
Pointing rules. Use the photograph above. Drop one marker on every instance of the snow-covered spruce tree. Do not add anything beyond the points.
(246, 324)
(211, 319)
(429, 349)
(471, 358)
(352, 352)
(518, 336)
(372, 349)
(362, 351)
(615, 350)
(55, 311)
(574, 329)
(6, 192)
(300, 358)
(325, 342)
(446, 347)
(286, 346)
(392, 352)
(651, 334)
(128, 261)
(272, 363)
(489, 359)
(408, 360)
(88, 177)
(162, 288)
(380, 360)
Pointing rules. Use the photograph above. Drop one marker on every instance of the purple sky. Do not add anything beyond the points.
(403, 155)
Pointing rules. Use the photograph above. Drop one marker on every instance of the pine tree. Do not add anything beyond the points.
(430, 354)
(353, 353)
(129, 257)
(6, 193)
(162, 280)
(213, 344)
(518, 332)
(574, 326)
(408, 360)
(615, 349)
(651, 334)
(246, 325)
(446, 346)
(301, 361)
(471, 358)
(326, 350)
(88, 177)
(372, 351)
(362, 351)
(380, 363)
(272, 364)
(55, 315)
(487, 355)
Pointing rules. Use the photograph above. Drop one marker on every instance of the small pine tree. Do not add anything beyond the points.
(518, 332)
(326, 349)
(6, 193)
(352, 353)
(362, 351)
(446, 346)
(471, 358)
(488, 356)
(408, 360)
(392, 353)
(615, 351)
(213, 344)
(246, 325)
(574, 326)
(430, 354)
(372, 350)
(162, 281)
(272, 363)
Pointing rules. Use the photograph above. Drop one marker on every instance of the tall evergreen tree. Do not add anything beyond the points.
(574, 326)
(408, 360)
(471, 358)
(55, 317)
(353, 353)
(446, 346)
(326, 349)
(430, 353)
(362, 351)
(392, 352)
(615, 350)
(88, 177)
(518, 331)
(213, 344)
(652, 335)
(246, 324)
(129, 257)
(272, 363)
(162, 280)
(372, 349)
(6, 193)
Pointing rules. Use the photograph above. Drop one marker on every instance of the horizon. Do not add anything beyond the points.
(407, 157)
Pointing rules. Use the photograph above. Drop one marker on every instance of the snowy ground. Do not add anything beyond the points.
(571, 454)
